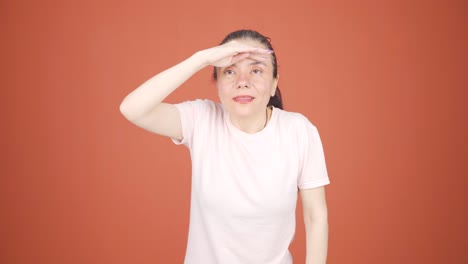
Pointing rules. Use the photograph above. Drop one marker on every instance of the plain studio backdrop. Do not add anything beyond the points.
(384, 81)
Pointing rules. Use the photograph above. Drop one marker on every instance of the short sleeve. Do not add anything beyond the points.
(313, 170)
(190, 112)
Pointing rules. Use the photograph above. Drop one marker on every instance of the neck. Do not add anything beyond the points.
(252, 124)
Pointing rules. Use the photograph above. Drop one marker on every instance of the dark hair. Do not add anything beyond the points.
(275, 100)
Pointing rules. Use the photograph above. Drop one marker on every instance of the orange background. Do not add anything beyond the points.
(384, 81)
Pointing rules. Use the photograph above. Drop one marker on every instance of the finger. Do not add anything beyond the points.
(259, 57)
(240, 57)
(260, 51)
(263, 51)
(240, 47)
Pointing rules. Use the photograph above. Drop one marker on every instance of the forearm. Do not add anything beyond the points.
(155, 90)
(316, 240)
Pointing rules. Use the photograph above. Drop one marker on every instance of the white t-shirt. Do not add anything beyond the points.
(244, 186)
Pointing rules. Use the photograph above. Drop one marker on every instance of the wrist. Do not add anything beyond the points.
(199, 60)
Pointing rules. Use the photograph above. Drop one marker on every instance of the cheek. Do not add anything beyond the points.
(226, 82)
(263, 84)
(223, 90)
(221, 86)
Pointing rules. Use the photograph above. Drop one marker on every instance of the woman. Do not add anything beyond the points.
(249, 157)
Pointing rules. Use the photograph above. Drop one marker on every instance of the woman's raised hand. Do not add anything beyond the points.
(232, 52)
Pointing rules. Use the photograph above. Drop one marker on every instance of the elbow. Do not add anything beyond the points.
(316, 223)
(124, 109)
(128, 111)
(316, 217)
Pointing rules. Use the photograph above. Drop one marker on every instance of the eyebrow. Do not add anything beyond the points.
(257, 62)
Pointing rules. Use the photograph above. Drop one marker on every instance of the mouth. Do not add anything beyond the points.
(243, 99)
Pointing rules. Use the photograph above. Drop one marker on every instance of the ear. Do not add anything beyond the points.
(275, 84)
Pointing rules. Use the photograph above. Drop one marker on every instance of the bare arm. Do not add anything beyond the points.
(316, 224)
(144, 106)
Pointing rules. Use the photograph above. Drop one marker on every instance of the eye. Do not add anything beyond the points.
(257, 71)
(228, 72)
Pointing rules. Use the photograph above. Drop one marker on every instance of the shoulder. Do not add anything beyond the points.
(293, 120)
(297, 126)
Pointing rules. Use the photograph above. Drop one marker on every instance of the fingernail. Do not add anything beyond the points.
(269, 51)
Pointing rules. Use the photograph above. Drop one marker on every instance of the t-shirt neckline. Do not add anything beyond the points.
(241, 133)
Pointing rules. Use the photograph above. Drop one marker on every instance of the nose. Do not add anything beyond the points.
(243, 81)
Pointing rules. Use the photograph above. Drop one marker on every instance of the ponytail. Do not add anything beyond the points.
(276, 100)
